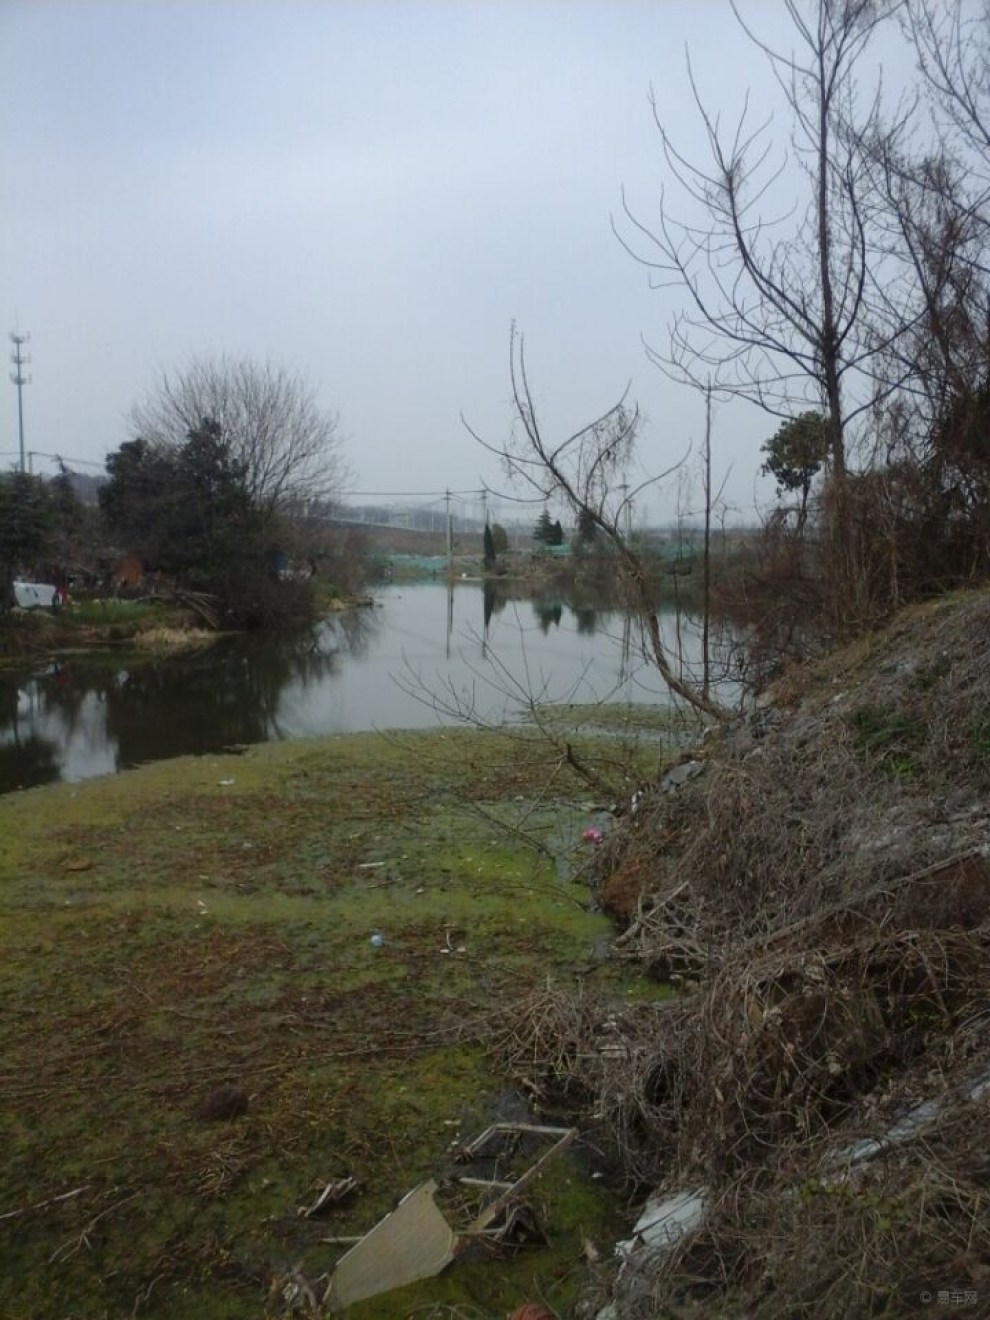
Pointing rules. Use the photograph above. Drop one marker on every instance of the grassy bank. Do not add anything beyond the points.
(202, 922)
(86, 625)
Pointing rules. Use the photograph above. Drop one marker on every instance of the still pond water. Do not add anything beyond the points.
(411, 661)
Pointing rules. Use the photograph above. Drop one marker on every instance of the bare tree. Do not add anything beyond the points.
(932, 176)
(585, 470)
(288, 448)
(776, 306)
(938, 201)
(952, 42)
(934, 250)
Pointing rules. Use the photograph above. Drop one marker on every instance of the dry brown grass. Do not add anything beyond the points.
(821, 897)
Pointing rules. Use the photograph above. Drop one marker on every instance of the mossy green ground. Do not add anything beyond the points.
(208, 920)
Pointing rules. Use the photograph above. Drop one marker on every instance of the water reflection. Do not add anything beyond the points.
(548, 614)
(587, 612)
(27, 756)
(89, 714)
(93, 714)
(27, 762)
(586, 619)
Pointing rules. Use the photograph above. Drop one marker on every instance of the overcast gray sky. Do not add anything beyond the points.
(367, 192)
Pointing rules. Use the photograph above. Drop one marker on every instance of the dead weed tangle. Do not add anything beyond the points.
(821, 898)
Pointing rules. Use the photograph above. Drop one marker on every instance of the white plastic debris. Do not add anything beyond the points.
(915, 1120)
(664, 1221)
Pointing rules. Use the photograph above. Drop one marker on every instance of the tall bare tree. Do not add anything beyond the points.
(776, 304)
(938, 199)
(288, 447)
(932, 176)
(952, 42)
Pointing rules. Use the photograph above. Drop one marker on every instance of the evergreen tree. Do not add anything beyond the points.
(188, 511)
(26, 520)
(796, 453)
(543, 530)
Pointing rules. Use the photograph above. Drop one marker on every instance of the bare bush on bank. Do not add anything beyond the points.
(585, 470)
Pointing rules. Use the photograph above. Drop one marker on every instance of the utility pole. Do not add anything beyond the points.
(706, 680)
(20, 360)
(450, 537)
(626, 509)
(484, 507)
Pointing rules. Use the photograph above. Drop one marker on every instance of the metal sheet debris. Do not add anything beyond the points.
(418, 1241)
(413, 1242)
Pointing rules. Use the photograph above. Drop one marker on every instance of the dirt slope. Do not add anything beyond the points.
(820, 894)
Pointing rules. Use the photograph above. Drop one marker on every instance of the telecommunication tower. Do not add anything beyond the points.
(20, 359)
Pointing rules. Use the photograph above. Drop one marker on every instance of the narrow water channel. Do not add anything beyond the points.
(418, 657)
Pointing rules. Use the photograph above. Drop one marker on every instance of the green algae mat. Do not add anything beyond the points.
(328, 929)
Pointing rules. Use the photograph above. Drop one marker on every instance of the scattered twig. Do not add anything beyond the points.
(43, 1205)
(70, 1248)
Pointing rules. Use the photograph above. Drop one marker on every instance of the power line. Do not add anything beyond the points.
(410, 494)
(481, 493)
(67, 458)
